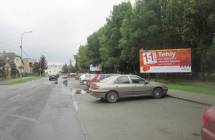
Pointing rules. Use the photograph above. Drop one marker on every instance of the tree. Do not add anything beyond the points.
(14, 71)
(71, 68)
(36, 68)
(42, 64)
(82, 59)
(2, 69)
(65, 69)
(152, 24)
(112, 35)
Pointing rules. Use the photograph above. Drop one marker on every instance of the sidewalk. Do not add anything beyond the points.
(4, 82)
(194, 97)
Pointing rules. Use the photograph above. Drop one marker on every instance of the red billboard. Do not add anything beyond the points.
(165, 61)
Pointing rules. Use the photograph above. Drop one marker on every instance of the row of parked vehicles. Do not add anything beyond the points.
(111, 87)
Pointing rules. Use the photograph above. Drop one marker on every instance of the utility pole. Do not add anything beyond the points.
(21, 47)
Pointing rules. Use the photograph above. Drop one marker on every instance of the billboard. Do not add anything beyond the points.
(165, 61)
(95, 68)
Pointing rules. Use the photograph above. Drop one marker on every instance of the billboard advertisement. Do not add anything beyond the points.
(165, 61)
(95, 68)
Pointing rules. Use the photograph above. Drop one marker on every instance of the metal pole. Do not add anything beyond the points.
(22, 35)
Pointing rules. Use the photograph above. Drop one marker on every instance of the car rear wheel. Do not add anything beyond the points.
(157, 93)
(112, 97)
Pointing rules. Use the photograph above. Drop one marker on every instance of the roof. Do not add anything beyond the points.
(9, 55)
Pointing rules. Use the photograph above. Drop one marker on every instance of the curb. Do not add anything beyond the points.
(189, 100)
(4, 82)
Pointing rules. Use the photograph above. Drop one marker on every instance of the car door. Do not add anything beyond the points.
(139, 86)
(123, 86)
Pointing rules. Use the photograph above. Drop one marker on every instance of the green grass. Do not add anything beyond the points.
(195, 87)
(24, 79)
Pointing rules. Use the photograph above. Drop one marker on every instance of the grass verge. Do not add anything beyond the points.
(24, 79)
(195, 87)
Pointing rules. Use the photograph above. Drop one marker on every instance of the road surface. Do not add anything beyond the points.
(139, 118)
(38, 110)
(42, 110)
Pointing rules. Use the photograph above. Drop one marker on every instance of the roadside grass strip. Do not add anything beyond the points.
(23, 80)
(192, 87)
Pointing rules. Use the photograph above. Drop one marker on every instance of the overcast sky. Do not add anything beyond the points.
(58, 27)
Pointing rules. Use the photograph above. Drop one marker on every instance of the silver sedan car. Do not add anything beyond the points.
(115, 87)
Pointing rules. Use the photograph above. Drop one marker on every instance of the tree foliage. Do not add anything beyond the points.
(65, 68)
(36, 68)
(152, 24)
(43, 64)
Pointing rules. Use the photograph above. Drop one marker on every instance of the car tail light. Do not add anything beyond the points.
(205, 119)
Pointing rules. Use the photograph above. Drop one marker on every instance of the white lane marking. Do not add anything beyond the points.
(68, 92)
(23, 118)
(83, 92)
(73, 92)
(75, 104)
(14, 97)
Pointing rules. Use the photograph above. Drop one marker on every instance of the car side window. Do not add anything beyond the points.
(137, 80)
(122, 80)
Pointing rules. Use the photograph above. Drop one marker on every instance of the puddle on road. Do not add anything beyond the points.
(196, 134)
(78, 91)
(65, 83)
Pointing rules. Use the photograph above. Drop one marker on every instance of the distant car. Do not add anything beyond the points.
(53, 78)
(84, 78)
(71, 75)
(119, 86)
(57, 75)
(208, 129)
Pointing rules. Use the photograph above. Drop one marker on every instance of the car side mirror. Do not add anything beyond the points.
(146, 82)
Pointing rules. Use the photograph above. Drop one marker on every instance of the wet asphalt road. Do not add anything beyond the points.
(38, 110)
(42, 110)
(142, 118)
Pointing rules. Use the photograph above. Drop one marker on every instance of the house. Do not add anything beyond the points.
(53, 69)
(28, 65)
(15, 61)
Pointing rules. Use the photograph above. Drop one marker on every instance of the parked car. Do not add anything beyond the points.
(84, 78)
(96, 78)
(53, 77)
(71, 75)
(119, 86)
(208, 120)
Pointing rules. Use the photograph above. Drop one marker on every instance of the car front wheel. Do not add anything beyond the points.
(112, 97)
(157, 93)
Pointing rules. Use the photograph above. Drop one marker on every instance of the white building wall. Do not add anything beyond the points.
(53, 69)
